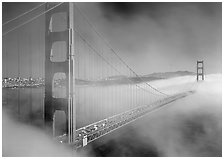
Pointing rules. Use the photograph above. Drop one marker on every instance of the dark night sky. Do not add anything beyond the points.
(150, 37)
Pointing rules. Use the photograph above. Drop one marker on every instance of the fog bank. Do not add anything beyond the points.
(191, 127)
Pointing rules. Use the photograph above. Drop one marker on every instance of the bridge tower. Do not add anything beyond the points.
(200, 70)
(53, 37)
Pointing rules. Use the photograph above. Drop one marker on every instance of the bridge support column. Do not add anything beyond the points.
(200, 70)
(53, 36)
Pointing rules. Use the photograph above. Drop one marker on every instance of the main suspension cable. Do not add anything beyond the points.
(24, 14)
(107, 43)
(28, 21)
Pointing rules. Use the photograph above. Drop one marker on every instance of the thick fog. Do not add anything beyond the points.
(187, 127)
(19, 140)
(191, 126)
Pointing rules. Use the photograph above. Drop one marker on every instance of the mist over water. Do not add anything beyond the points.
(187, 127)
(21, 140)
(150, 37)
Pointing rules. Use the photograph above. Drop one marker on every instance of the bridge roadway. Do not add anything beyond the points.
(87, 134)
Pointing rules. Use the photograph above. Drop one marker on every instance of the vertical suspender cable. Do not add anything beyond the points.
(30, 71)
(18, 77)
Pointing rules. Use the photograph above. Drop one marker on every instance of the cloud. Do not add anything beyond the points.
(156, 10)
(22, 140)
(161, 32)
(188, 127)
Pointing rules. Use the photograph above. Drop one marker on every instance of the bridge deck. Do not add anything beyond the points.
(87, 134)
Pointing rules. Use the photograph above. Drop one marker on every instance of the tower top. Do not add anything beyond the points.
(200, 69)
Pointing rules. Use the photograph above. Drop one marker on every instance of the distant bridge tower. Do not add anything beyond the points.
(200, 70)
(55, 66)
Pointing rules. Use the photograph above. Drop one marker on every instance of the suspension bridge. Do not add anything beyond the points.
(58, 68)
